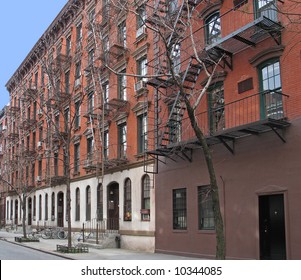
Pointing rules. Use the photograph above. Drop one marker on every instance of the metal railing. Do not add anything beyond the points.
(269, 104)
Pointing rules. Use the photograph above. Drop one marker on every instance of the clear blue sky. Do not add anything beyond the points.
(22, 23)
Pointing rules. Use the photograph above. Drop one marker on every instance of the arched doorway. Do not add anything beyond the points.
(113, 206)
(16, 211)
(60, 209)
(29, 211)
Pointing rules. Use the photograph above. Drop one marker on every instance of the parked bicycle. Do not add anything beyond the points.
(36, 233)
(49, 233)
(80, 236)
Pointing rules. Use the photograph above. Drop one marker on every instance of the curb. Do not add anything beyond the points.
(37, 249)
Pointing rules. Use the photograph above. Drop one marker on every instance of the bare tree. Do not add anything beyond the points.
(177, 55)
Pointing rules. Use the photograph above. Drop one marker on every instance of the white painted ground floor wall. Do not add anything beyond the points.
(137, 233)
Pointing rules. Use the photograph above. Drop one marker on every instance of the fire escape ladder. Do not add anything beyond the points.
(172, 130)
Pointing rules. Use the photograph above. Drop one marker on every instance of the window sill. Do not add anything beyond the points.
(207, 231)
(179, 230)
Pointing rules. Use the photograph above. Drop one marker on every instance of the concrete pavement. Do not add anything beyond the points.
(49, 246)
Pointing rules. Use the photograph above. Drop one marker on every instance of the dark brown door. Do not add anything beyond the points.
(113, 207)
(272, 227)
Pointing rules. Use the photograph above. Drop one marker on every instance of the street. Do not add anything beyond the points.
(10, 251)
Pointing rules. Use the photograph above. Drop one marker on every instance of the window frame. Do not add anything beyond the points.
(210, 21)
(145, 198)
(179, 204)
(205, 208)
(127, 200)
(142, 133)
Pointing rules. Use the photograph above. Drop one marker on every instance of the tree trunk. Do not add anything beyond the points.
(23, 202)
(68, 198)
(219, 225)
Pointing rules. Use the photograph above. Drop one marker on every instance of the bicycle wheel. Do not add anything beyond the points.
(62, 234)
(46, 234)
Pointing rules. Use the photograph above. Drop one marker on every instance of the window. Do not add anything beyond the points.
(40, 207)
(122, 141)
(40, 133)
(105, 9)
(106, 93)
(34, 207)
(77, 204)
(267, 8)
(76, 157)
(56, 164)
(91, 57)
(67, 82)
(90, 103)
(145, 206)
(90, 144)
(122, 34)
(142, 68)
(46, 206)
(106, 144)
(176, 58)
(77, 74)
(77, 115)
(91, 21)
(141, 17)
(175, 123)
(79, 33)
(142, 133)
(40, 167)
(216, 107)
(53, 206)
(68, 45)
(66, 119)
(122, 86)
(206, 216)
(127, 200)
(213, 28)
(33, 167)
(172, 6)
(88, 203)
(270, 83)
(106, 47)
(99, 202)
(179, 209)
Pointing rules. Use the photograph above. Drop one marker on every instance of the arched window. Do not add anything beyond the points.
(77, 204)
(99, 202)
(145, 205)
(40, 207)
(127, 200)
(34, 207)
(212, 28)
(46, 206)
(88, 203)
(53, 206)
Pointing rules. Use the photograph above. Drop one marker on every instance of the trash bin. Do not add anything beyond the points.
(117, 240)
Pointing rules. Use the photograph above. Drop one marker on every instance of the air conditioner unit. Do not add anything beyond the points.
(38, 178)
(40, 112)
(140, 31)
(140, 85)
(87, 163)
(4, 127)
(40, 144)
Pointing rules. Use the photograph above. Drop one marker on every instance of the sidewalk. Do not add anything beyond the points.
(49, 246)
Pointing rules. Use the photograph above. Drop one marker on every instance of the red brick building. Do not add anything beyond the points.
(80, 111)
